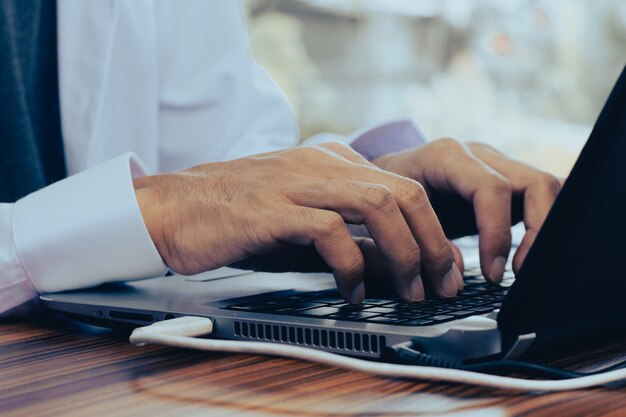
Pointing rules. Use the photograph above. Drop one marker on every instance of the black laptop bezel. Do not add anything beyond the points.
(573, 281)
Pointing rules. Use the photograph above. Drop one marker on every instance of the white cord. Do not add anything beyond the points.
(182, 331)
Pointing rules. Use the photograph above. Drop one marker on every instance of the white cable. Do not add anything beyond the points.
(181, 332)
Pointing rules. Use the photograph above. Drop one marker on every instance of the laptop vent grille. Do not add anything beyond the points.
(305, 336)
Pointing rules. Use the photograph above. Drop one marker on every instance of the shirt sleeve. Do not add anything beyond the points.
(216, 102)
(380, 139)
(79, 232)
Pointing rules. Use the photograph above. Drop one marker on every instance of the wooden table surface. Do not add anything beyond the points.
(58, 368)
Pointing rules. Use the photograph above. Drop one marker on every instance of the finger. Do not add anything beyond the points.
(374, 206)
(539, 188)
(539, 197)
(458, 260)
(491, 195)
(429, 249)
(523, 249)
(327, 231)
(376, 270)
(492, 204)
(437, 256)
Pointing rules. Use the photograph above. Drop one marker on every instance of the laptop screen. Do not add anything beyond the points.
(574, 278)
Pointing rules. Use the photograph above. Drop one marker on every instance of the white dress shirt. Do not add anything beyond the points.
(145, 86)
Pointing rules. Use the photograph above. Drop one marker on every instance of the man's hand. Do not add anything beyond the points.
(220, 213)
(475, 188)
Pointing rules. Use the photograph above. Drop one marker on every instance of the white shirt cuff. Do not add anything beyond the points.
(86, 230)
(15, 287)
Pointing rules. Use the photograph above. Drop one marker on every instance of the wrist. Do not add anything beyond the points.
(382, 161)
(146, 193)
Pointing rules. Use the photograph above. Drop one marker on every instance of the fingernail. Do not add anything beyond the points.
(497, 269)
(416, 288)
(448, 283)
(358, 293)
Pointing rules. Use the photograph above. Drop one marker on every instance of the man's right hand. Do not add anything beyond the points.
(219, 213)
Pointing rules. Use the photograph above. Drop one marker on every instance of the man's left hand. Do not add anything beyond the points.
(475, 188)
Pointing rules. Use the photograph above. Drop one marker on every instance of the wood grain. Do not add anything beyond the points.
(58, 368)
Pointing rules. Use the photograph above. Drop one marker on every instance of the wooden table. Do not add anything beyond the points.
(59, 368)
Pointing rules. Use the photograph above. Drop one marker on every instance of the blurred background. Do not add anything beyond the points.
(528, 76)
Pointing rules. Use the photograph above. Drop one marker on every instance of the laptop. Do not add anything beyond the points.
(572, 285)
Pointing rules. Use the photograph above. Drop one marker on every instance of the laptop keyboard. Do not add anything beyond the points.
(478, 297)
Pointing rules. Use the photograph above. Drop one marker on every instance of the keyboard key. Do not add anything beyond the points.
(318, 312)
(396, 304)
(431, 302)
(418, 322)
(273, 302)
(353, 307)
(303, 305)
(292, 297)
(342, 304)
(412, 306)
(381, 310)
(473, 281)
(277, 310)
(244, 307)
(471, 292)
(385, 320)
(405, 315)
(459, 314)
(414, 313)
(424, 305)
(376, 301)
(482, 309)
(442, 318)
(474, 303)
(478, 297)
(330, 300)
(354, 316)
(482, 299)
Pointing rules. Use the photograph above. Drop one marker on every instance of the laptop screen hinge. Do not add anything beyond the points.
(519, 344)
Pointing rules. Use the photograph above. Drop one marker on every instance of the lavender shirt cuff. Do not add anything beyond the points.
(380, 139)
(394, 136)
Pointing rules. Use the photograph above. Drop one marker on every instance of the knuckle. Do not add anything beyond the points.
(500, 184)
(378, 197)
(411, 254)
(294, 157)
(353, 263)
(412, 192)
(450, 144)
(333, 224)
(443, 257)
(315, 153)
(480, 145)
(336, 146)
(551, 182)
(308, 151)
